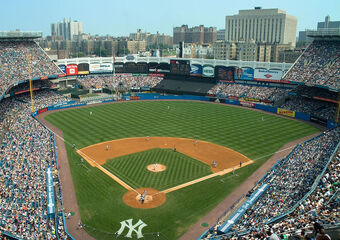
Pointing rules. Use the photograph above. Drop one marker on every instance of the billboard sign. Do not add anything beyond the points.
(267, 75)
(208, 71)
(244, 74)
(72, 69)
(225, 73)
(83, 68)
(195, 70)
(130, 58)
(62, 68)
(286, 112)
(101, 68)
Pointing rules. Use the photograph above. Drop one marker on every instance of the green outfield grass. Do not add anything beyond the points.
(100, 198)
(180, 169)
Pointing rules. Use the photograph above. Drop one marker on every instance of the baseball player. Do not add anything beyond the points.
(174, 148)
(147, 138)
(195, 142)
(214, 163)
(142, 198)
(155, 166)
(240, 163)
(107, 147)
(90, 113)
(233, 170)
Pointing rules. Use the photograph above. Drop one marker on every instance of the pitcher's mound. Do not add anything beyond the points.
(156, 167)
(153, 198)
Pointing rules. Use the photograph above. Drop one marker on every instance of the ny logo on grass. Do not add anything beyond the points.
(132, 228)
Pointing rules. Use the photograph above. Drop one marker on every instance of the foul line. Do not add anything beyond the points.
(89, 160)
(114, 177)
(220, 173)
(126, 186)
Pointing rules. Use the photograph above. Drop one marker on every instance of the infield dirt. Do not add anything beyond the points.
(201, 150)
(222, 160)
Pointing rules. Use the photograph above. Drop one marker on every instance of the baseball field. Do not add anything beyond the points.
(179, 155)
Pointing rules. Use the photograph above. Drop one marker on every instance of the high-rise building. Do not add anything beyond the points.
(249, 51)
(220, 35)
(328, 23)
(261, 25)
(198, 34)
(67, 29)
(135, 47)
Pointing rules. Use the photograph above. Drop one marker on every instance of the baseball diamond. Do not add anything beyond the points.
(102, 198)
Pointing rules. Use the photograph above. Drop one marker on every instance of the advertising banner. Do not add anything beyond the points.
(247, 104)
(42, 110)
(244, 74)
(156, 74)
(195, 70)
(225, 73)
(208, 71)
(62, 68)
(83, 68)
(267, 75)
(72, 69)
(286, 112)
(251, 99)
(101, 68)
(118, 65)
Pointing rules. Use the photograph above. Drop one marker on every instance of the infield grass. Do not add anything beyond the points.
(180, 169)
(100, 198)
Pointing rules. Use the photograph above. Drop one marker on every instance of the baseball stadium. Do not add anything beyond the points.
(167, 148)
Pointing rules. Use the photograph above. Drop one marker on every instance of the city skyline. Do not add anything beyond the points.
(119, 19)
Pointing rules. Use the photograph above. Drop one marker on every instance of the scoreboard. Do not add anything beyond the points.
(225, 73)
(180, 67)
(135, 68)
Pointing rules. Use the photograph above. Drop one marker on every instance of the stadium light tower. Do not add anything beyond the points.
(30, 79)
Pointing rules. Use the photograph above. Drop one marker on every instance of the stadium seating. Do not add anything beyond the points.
(183, 87)
(13, 63)
(318, 65)
(289, 182)
(119, 81)
(26, 151)
(325, 110)
(248, 91)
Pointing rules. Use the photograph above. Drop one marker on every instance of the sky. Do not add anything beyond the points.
(119, 18)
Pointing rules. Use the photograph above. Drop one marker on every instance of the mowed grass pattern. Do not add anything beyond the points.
(240, 129)
(100, 198)
(180, 169)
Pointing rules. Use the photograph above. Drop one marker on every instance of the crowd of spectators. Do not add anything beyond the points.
(289, 182)
(248, 91)
(26, 150)
(119, 81)
(313, 92)
(319, 64)
(14, 57)
(322, 109)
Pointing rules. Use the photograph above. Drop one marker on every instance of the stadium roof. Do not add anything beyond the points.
(324, 33)
(7, 35)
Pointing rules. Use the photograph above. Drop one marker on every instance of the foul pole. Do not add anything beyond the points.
(30, 80)
(338, 110)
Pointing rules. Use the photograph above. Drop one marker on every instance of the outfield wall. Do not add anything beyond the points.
(238, 102)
